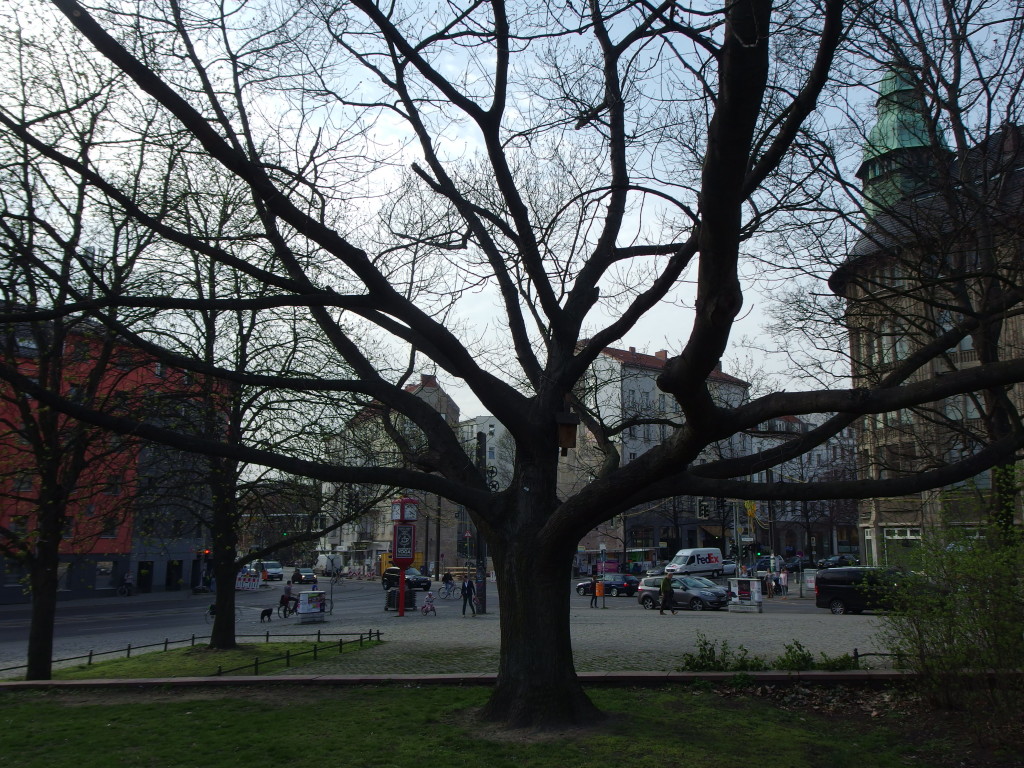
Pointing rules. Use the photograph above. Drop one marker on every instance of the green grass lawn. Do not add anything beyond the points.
(202, 661)
(403, 726)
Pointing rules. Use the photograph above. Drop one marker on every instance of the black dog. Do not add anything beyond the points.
(266, 615)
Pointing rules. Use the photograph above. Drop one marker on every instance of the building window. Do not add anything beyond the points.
(109, 528)
(26, 344)
(22, 484)
(69, 527)
(19, 525)
(113, 485)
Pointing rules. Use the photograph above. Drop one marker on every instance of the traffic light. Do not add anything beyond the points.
(702, 510)
(206, 554)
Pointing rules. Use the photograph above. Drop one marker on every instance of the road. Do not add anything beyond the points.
(106, 624)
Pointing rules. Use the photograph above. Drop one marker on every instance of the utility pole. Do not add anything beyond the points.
(481, 545)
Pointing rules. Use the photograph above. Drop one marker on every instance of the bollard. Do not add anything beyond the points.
(90, 658)
(165, 643)
(129, 649)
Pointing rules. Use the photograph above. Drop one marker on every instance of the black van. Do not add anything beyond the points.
(854, 589)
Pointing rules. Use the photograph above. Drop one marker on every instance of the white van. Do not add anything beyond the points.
(702, 560)
(327, 563)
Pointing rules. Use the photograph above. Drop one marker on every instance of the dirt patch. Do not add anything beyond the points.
(939, 738)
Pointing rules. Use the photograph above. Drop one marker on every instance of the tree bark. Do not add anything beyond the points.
(537, 684)
(43, 581)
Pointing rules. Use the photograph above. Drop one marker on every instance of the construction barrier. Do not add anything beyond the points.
(247, 581)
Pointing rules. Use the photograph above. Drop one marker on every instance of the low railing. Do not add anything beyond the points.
(287, 656)
(91, 656)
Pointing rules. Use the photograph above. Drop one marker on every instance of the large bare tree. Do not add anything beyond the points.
(571, 164)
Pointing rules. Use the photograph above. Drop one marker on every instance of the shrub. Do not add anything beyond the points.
(796, 657)
(958, 623)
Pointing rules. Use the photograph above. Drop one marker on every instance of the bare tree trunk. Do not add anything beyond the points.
(225, 550)
(43, 580)
(537, 684)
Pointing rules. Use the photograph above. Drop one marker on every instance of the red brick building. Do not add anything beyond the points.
(129, 508)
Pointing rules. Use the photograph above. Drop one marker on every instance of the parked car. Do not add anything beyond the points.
(658, 570)
(303, 576)
(838, 561)
(273, 569)
(687, 592)
(615, 584)
(413, 578)
(797, 564)
(728, 567)
(847, 589)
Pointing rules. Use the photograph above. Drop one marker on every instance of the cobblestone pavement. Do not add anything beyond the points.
(621, 638)
(610, 640)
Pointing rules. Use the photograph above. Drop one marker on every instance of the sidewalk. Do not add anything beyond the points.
(624, 638)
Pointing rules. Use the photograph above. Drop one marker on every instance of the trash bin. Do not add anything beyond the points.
(391, 603)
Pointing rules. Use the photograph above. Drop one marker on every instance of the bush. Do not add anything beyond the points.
(796, 657)
(958, 623)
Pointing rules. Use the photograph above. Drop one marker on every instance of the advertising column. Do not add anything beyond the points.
(403, 543)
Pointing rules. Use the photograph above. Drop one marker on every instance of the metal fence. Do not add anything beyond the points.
(266, 637)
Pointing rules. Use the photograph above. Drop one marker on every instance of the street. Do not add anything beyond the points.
(106, 624)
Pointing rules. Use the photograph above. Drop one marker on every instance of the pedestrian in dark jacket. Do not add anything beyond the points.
(468, 593)
(667, 595)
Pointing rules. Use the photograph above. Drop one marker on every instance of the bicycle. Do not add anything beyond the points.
(448, 591)
(124, 590)
(211, 613)
(428, 606)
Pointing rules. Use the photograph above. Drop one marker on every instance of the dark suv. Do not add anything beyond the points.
(854, 589)
(838, 561)
(413, 579)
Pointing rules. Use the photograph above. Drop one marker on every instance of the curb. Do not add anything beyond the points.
(810, 677)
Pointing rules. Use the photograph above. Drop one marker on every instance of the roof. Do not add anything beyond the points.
(995, 167)
(659, 359)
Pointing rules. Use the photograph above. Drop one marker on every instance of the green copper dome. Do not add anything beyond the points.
(899, 159)
(901, 118)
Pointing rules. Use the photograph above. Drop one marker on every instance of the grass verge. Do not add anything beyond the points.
(201, 661)
(398, 726)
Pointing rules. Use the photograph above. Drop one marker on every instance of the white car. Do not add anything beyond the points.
(728, 567)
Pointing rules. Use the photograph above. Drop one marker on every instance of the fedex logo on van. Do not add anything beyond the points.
(708, 559)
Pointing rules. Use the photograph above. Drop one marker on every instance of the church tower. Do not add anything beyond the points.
(899, 159)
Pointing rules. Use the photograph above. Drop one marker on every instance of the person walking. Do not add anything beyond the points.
(593, 590)
(666, 594)
(784, 583)
(468, 593)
